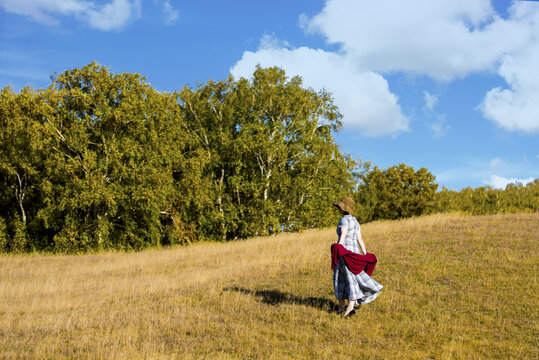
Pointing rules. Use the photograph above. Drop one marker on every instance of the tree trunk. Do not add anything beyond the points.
(266, 187)
(20, 194)
(220, 202)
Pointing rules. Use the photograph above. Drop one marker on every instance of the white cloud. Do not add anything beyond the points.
(111, 16)
(439, 128)
(496, 162)
(43, 11)
(430, 101)
(363, 97)
(473, 172)
(114, 16)
(499, 182)
(440, 39)
(171, 14)
(517, 108)
(268, 42)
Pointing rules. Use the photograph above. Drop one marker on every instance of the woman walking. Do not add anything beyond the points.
(358, 288)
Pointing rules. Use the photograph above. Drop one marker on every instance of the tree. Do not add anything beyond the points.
(23, 149)
(271, 158)
(116, 143)
(103, 161)
(4, 244)
(93, 162)
(486, 200)
(397, 192)
(295, 167)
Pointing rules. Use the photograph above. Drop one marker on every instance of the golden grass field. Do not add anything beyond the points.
(456, 287)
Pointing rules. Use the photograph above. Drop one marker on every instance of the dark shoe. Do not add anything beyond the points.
(350, 313)
(341, 310)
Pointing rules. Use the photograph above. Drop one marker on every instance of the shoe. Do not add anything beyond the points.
(350, 313)
(341, 310)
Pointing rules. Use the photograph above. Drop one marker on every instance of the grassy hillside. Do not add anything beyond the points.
(455, 288)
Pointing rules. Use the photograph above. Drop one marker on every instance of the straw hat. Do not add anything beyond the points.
(345, 204)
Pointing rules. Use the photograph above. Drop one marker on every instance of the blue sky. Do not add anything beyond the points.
(452, 86)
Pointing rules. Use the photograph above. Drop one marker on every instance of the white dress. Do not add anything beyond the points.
(360, 287)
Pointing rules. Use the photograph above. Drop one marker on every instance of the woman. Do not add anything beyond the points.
(361, 288)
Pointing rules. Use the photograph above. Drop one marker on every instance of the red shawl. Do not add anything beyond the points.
(355, 262)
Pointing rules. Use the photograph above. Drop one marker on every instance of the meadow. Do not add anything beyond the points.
(456, 287)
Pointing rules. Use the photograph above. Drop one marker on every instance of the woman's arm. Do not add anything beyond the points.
(361, 243)
(344, 231)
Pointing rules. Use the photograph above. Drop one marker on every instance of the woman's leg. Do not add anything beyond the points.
(339, 283)
(350, 307)
(354, 292)
(342, 306)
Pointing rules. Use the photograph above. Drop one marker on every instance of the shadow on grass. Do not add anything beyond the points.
(276, 297)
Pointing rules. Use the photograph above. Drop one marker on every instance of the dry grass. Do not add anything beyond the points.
(455, 288)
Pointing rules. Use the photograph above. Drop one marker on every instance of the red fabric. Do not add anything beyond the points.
(355, 262)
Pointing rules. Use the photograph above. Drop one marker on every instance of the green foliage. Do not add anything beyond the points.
(486, 200)
(3, 236)
(19, 241)
(270, 161)
(394, 193)
(116, 144)
(400, 192)
(94, 160)
(23, 150)
(101, 161)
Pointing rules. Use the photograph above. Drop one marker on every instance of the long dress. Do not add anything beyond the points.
(360, 287)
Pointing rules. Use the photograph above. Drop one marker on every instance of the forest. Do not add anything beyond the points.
(102, 161)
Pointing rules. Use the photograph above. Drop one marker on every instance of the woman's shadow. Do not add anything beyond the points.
(276, 297)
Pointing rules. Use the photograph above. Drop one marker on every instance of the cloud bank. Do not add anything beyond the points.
(171, 14)
(499, 182)
(516, 108)
(111, 16)
(443, 40)
(430, 101)
(334, 72)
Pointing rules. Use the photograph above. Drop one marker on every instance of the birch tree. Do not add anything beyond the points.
(113, 149)
(23, 149)
(272, 160)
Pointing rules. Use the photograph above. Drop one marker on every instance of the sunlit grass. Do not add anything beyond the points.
(456, 287)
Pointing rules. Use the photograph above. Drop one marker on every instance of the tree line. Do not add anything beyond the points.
(100, 161)
(401, 192)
